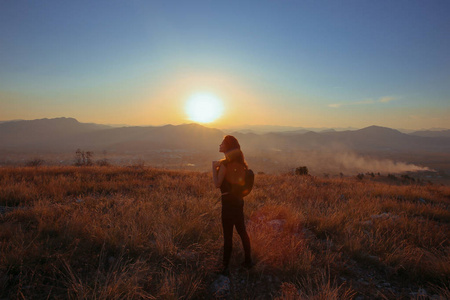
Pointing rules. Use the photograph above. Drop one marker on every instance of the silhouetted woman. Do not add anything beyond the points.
(227, 173)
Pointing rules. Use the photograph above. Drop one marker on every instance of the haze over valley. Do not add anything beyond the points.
(192, 146)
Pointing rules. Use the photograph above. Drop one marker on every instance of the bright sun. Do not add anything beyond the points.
(204, 108)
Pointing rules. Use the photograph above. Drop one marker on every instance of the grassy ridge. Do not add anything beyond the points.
(120, 232)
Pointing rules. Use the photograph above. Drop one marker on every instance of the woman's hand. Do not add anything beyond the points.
(215, 164)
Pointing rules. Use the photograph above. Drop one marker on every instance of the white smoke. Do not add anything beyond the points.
(331, 161)
(352, 161)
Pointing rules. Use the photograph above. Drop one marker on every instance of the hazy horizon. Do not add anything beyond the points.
(250, 127)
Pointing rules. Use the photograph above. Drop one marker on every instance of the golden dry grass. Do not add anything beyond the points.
(142, 233)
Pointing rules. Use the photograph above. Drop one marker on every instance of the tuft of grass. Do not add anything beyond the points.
(278, 241)
(114, 278)
(317, 287)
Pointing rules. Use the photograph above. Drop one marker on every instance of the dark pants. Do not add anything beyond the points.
(234, 216)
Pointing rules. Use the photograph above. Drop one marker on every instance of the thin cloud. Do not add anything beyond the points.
(335, 105)
(385, 99)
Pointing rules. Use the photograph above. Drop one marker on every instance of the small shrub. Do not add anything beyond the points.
(301, 171)
(103, 163)
(36, 162)
(391, 176)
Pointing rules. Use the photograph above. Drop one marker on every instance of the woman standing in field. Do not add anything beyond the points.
(227, 173)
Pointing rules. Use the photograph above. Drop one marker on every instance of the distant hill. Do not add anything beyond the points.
(141, 139)
(433, 133)
(43, 134)
(67, 134)
(370, 139)
(262, 129)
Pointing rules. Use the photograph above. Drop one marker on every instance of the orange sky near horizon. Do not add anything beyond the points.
(165, 103)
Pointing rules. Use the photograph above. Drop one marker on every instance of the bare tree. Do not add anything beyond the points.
(83, 158)
(89, 155)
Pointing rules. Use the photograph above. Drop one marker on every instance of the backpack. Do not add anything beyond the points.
(244, 189)
(249, 180)
(241, 179)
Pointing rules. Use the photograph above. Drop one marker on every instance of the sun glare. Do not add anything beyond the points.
(204, 108)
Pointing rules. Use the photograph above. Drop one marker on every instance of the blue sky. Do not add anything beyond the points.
(295, 63)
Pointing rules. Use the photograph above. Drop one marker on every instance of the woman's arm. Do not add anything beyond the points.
(219, 170)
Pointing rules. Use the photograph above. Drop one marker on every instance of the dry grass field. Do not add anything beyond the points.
(143, 233)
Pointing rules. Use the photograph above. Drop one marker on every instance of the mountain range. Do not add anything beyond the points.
(66, 135)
